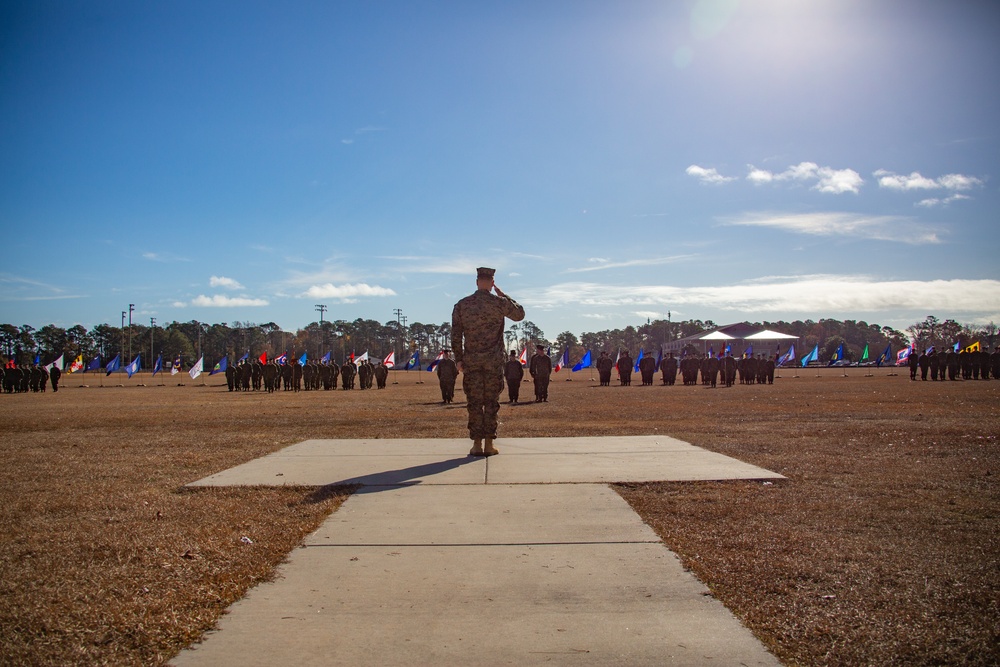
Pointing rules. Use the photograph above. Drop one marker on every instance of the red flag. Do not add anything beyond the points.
(263, 357)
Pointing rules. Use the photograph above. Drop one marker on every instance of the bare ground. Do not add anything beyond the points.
(881, 547)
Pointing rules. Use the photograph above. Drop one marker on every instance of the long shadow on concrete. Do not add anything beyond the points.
(402, 477)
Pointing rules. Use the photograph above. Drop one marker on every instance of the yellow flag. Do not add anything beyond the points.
(975, 347)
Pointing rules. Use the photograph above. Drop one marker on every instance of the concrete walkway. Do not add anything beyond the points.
(445, 559)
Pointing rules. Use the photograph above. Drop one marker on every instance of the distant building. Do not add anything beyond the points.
(738, 337)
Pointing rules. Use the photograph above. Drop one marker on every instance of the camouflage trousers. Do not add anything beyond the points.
(482, 388)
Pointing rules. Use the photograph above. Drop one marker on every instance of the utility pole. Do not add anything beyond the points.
(131, 308)
(123, 336)
(400, 323)
(321, 307)
(152, 324)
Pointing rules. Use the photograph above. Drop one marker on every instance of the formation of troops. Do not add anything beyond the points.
(313, 376)
(18, 379)
(693, 370)
(710, 369)
(951, 365)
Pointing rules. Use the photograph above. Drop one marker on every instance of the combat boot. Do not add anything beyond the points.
(477, 447)
(490, 450)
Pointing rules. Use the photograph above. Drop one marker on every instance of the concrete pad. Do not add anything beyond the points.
(521, 461)
(556, 574)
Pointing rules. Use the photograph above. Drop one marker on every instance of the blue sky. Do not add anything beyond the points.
(614, 161)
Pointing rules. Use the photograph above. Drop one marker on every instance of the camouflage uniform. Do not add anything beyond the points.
(447, 373)
(477, 324)
(540, 369)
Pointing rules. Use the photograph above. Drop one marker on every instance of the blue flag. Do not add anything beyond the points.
(38, 359)
(414, 361)
(303, 359)
(95, 364)
(812, 356)
(638, 359)
(749, 351)
(838, 355)
(244, 357)
(133, 367)
(114, 365)
(583, 363)
(787, 356)
(221, 366)
(885, 356)
(158, 366)
(659, 358)
(326, 358)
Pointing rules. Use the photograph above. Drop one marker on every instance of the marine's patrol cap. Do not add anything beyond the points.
(484, 273)
(539, 347)
(513, 353)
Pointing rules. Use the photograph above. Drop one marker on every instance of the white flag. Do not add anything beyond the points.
(197, 368)
(390, 360)
(58, 363)
(363, 357)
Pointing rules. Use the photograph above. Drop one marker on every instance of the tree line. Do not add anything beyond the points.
(341, 338)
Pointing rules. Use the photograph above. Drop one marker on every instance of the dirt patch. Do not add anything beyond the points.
(880, 548)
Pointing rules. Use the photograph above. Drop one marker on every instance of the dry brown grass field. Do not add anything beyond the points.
(881, 547)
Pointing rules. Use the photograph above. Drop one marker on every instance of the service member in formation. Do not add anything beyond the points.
(604, 368)
(381, 374)
(647, 366)
(540, 369)
(668, 369)
(625, 369)
(913, 361)
(447, 372)
(54, 375)
(513, 373)
(347, 373)
(477, 326)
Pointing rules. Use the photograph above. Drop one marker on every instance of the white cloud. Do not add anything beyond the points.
(653, 261)
(828, 294)
(878, 227)
(916, 181)
(828, 179)
(331, 291)
(934, 201)
(710, 176)
(163, 257)
(221, 281)
(223, 301)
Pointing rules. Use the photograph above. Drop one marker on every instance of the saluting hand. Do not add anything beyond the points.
(498, 290)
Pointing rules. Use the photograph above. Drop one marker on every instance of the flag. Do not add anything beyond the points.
(304, 359)
(95, 364)
(864, 355)
(38, 359)
(659, 357)
(749, 351)
(957, 345)
(563, 360)
(244, 357)
(76, 365)
(837, 356)
(903, 355)
(221, 366)
(414, 361)
(198, 367)
(583, 363)
(711, 351)
(812, 356)
(787, 356)
(158, 365)
(524, 357)
(133, 367)
(390, 360)
(885, 356)
(281, 359)
(431, 366)
(114, 364)
(975, 347)
(637, 360)
(262, 358)
(326, 358)
(175, 368)
(929, 350)
(363, 357)
(58, 362)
